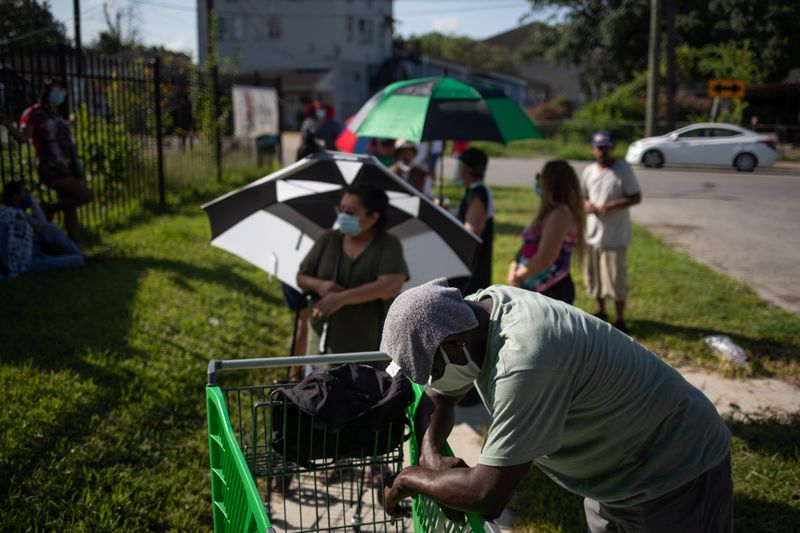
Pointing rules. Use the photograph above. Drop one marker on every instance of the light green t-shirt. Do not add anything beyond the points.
(596, 411)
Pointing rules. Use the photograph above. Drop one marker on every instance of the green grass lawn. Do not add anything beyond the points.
(551, 148)
(104, 426)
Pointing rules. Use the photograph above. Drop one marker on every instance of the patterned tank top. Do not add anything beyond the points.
(555, 272)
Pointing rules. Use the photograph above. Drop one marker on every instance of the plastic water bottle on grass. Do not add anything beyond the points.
(729, 350)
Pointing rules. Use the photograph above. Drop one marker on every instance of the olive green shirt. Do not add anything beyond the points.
(596, 411)
(353, 328)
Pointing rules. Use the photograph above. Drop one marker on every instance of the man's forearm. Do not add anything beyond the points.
(454, 488)
(620, 203)
(435, 421)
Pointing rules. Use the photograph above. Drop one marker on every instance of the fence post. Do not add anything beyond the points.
(216, 122)
(279, 96)
(159, 131)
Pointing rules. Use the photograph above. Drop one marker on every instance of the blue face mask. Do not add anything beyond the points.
(27, 202)
(348, 224)
(56, 97)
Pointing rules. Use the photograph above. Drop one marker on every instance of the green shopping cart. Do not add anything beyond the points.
(260, 485)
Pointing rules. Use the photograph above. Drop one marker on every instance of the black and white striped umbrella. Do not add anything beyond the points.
(273, 222)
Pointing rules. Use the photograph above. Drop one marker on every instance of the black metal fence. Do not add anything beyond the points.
(140, 126)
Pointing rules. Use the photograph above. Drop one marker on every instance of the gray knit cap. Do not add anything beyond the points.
(417, 323)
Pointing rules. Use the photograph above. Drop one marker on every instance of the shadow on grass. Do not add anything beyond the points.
(770, 437)
(752, 514)
(78, 322)
(541, 505)
(501, 228)
(645, 330)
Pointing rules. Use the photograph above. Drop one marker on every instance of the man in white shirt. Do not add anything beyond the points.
(609, 189)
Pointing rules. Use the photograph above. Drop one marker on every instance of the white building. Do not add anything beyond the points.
(321, 49)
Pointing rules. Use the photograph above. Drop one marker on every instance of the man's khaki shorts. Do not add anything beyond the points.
(605, 273)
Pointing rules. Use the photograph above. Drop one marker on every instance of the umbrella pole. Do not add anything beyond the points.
(294, 343)
(441, 174)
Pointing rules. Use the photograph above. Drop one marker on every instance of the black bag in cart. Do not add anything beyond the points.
(348, 411)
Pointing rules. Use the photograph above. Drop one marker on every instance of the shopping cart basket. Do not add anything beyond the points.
(254, 488)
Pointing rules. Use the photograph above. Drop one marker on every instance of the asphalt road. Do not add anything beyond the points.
(746, 225)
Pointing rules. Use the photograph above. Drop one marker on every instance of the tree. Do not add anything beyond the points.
(121, 33)
(607, 39)
(29, 25)
(731, 59)
(461, 50)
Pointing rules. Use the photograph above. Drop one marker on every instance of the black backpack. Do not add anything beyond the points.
(347, 411)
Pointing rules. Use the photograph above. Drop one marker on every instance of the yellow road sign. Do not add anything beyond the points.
(726, 88)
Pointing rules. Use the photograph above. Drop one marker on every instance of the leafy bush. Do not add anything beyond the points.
(556, 109)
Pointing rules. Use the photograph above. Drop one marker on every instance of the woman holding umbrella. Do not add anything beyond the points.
(352, 273)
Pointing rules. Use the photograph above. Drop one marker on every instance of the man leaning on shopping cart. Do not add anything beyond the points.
(596, 411)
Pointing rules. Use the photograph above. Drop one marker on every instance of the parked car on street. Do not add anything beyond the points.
(708, 143)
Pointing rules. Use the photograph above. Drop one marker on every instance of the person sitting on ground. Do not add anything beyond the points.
(56, 158)
(352, 273)
(543, 261)
(30, 242)
(600, 414)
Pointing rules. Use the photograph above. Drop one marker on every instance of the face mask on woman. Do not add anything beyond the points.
(348, 224)
(537, 186)
(455, 377)
(56, 97)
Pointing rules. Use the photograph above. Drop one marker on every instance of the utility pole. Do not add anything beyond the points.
(76, 14)
(652, 69)
(672, 82)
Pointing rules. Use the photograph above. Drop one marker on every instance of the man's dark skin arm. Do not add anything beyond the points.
(485, 490)
(448, 480)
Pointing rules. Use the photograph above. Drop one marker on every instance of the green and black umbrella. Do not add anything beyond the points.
(443, 108)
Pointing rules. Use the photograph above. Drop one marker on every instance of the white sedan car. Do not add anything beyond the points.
(708, 143)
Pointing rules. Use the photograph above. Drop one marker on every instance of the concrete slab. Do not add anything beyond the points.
(316, 501)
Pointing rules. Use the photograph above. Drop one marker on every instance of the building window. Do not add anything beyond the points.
(365, 31)
(236, 31)
(275, 28)
(351, 23)
(222, 29)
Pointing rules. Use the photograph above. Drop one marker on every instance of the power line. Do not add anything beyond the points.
(51, 27)
(485, 7)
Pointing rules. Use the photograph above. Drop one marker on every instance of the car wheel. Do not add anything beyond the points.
(745, 162)
(652, 158)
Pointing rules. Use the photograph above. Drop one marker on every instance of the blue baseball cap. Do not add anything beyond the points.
(602, 138)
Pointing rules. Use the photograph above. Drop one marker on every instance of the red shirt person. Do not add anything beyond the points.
(56, 158)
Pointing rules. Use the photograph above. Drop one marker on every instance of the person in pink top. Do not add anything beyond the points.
(542, 262)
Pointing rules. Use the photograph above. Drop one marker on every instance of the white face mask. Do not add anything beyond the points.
(455, 377)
